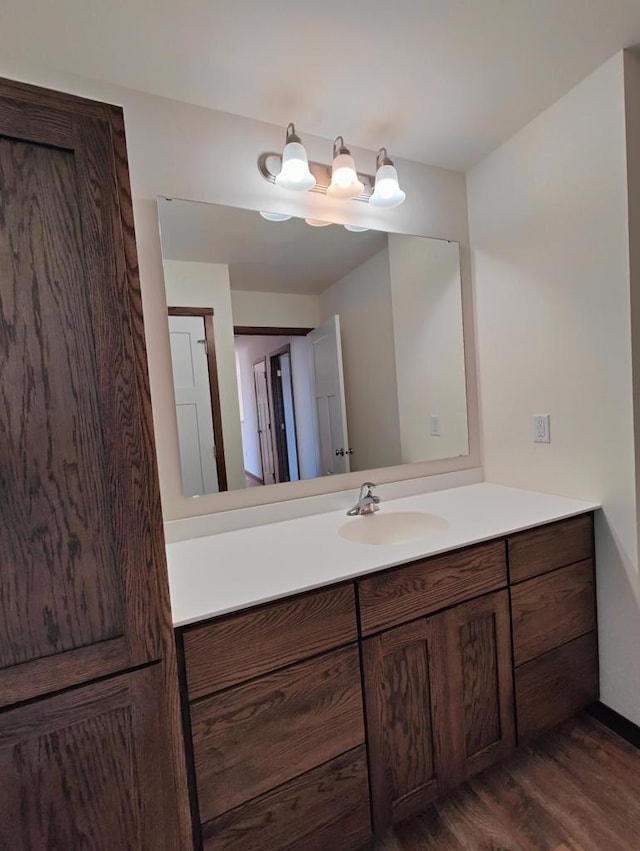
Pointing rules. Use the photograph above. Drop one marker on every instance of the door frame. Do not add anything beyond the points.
(276, 432)
(254, 364)
(207, 314)
(268, 331)
(272, 331)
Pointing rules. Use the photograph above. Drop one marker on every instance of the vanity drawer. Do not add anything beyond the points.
(555, 686)
(232, 649)
(550, 610)
(551, 546)
(327, 807)
(404, 593)
(253, 737)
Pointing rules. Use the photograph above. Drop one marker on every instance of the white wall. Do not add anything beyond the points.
(362, 300)
(429, 350)
(550, 247)
(175, 150)
(207, 285)
(275, 310)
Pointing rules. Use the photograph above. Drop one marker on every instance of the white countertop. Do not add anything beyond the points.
(210, 576)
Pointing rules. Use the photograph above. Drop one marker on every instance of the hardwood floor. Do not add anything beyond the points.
(577, 789)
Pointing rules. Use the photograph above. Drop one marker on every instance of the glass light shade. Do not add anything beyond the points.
(317, 223)
(274, 217)
(295, 172)
(344, 180)
(387, 192)
(355, 228)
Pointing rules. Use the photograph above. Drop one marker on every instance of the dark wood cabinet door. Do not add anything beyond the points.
(82, 586)
(479, 706)
(404, 701)
(81, 770)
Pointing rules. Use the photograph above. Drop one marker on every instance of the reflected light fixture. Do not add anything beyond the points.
(274, 217)
(355, 228)
(386, 192)
(344, 179)
(295, 172)
(317, 223)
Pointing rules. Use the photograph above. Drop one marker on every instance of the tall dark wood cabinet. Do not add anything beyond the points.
(87, 759)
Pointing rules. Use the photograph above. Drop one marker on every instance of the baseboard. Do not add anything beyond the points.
(614, 721)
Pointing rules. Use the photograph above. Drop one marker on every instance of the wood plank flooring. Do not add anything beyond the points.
(577, 789)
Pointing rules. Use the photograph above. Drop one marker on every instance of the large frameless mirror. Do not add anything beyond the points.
(301, 351)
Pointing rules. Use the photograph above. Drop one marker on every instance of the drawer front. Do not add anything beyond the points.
(251, 738)
(233, 649)
(555, 686)
(552, 609)
(327, 807)
(548, 547)
(405, 593)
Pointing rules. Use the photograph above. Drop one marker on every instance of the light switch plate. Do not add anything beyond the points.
(541, 428)
(435, 425)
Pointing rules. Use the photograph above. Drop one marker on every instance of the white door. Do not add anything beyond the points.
(193, 405)
(264, 423)
(328, 392)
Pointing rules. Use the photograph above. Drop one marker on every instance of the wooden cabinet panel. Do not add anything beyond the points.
(82, 770)
(399, 595)
(83, 585)
(326, 808)
(555, 686)
(230, 650)
(550, 610)
(548, 547)
(403, 693)
(439, 698)
(479, 706)
(252, 737)
(79, 591)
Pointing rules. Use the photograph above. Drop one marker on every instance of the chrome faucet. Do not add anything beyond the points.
(367, 502)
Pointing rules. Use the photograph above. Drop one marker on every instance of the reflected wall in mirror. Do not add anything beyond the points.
(305, 351)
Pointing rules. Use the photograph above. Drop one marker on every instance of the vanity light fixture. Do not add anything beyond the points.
(274, 217)
(295, 172)
(344, 178)
(355, 228)
(386, 192)
(340, 180)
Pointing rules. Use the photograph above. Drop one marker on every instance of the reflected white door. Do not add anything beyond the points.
(328, 391)
(264, 423)
(193, 405)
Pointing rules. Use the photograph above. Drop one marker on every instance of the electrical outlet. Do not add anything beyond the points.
(541, 428)
(435, 425)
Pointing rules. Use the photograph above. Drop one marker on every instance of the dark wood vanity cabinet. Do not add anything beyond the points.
(553, 603)
(275, 713)
(439, 700)
(83, 586)
(282, 755)
(405, 691)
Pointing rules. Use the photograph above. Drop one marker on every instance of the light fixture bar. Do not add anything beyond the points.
(269, 165)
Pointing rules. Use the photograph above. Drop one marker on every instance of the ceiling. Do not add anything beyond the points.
(437, 81)
(272, 257)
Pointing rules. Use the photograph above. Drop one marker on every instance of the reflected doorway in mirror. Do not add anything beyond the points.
(198, 415)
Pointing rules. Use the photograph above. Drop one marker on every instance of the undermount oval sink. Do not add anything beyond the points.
(393, 527)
